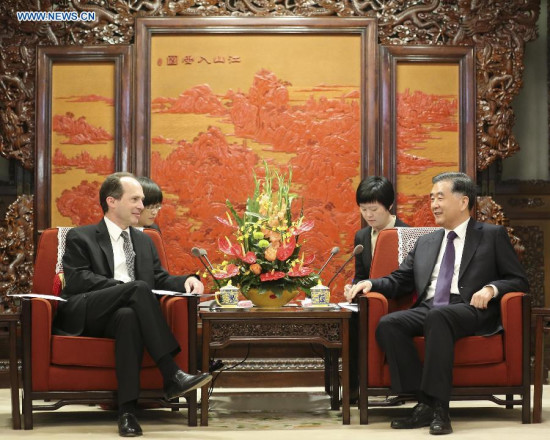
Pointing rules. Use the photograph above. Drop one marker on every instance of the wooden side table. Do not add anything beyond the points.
(11, 320)
(289, 325)
(542, 318)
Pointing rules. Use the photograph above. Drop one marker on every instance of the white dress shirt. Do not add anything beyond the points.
(120, 269)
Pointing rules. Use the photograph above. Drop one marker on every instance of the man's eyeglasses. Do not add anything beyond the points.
(156, 208)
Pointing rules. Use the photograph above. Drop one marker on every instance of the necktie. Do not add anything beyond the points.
(129, 254)
(443, 285)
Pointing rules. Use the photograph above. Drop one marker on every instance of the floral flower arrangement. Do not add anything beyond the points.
(265, 251)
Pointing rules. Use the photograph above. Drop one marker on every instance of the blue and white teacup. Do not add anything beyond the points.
(320, 295)
(227, 296)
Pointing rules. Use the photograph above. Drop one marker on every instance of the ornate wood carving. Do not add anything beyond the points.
(221, 332)
(488, 211)
(499, 31)
(533, 261)
(16, 252)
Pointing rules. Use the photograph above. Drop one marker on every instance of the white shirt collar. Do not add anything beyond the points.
(114, 229)
(460, 230)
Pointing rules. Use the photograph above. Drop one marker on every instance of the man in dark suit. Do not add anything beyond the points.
(110, 269)
(374, 197)
(461, 273)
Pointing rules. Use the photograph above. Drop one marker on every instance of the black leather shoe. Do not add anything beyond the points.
(441, 424)
(128, 426)
(181, 383)
(422, 415)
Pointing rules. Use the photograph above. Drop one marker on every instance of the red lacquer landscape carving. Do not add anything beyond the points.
(423, 120)
(319, 139)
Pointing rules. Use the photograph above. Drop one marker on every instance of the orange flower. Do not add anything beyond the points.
(256, 268)
(270, 254)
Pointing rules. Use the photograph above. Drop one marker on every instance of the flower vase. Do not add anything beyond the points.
(269, 299)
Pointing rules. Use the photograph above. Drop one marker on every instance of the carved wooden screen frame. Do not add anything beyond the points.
(146, 28)
(121, 57)
(463, 57)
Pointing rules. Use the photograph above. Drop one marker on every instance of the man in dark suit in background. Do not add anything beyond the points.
(110, 269)
(460, 281)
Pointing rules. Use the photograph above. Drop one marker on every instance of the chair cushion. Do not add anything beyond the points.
(83, 351)
(473, 350)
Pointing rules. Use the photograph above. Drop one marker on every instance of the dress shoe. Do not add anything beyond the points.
(181, 383)
(128, 426)
(422, 415)
(441, 423)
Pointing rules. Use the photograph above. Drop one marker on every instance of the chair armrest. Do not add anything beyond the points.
(372, 307)
(515, 311)
(41, 341)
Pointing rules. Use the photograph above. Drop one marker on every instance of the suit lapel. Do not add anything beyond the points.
(138, 246)
(104, 241)
(473, 238)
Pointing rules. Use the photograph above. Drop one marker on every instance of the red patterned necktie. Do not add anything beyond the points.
(446, 270)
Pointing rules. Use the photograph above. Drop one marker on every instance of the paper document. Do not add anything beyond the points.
(172, 293)
(349, 306)
(38, 295)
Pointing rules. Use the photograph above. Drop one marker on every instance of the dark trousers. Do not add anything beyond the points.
(131, 314)
(441, 327)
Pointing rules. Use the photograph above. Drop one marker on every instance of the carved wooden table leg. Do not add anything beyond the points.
(11, 320)
(541, 317)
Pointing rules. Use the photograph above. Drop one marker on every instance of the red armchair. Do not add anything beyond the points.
(64, 370)
(484, 368)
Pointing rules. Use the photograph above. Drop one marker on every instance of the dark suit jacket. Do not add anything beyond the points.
(488, 258)
(364, 259)
(88, 264)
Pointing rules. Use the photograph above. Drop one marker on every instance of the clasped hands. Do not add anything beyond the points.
(480, 299)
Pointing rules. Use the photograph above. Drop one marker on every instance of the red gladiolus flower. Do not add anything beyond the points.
(249, 258)
(286, 249)
(304, 227)
(226, 222)
(300, 271)
(272, 276)
(230, 271)
(224, 244)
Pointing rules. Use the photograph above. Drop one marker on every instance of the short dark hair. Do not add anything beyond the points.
(111, 187)
(151, 191)
(462, 184)
(375, 189)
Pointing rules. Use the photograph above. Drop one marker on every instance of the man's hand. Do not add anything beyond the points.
(192, 285)
(481, 298)
(351, 291)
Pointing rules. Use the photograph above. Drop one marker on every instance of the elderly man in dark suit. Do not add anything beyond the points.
(110, 269)
(460, 273)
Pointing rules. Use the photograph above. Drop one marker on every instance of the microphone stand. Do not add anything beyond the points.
(196, 252)
(357, 250)
(333, 252)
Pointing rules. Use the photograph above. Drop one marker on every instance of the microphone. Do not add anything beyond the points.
(205, 255)
(333, 252)
(199, 253)
(356, 251)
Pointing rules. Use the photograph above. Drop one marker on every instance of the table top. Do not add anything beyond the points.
(289, 311)
(8, 317)
(540, 311)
